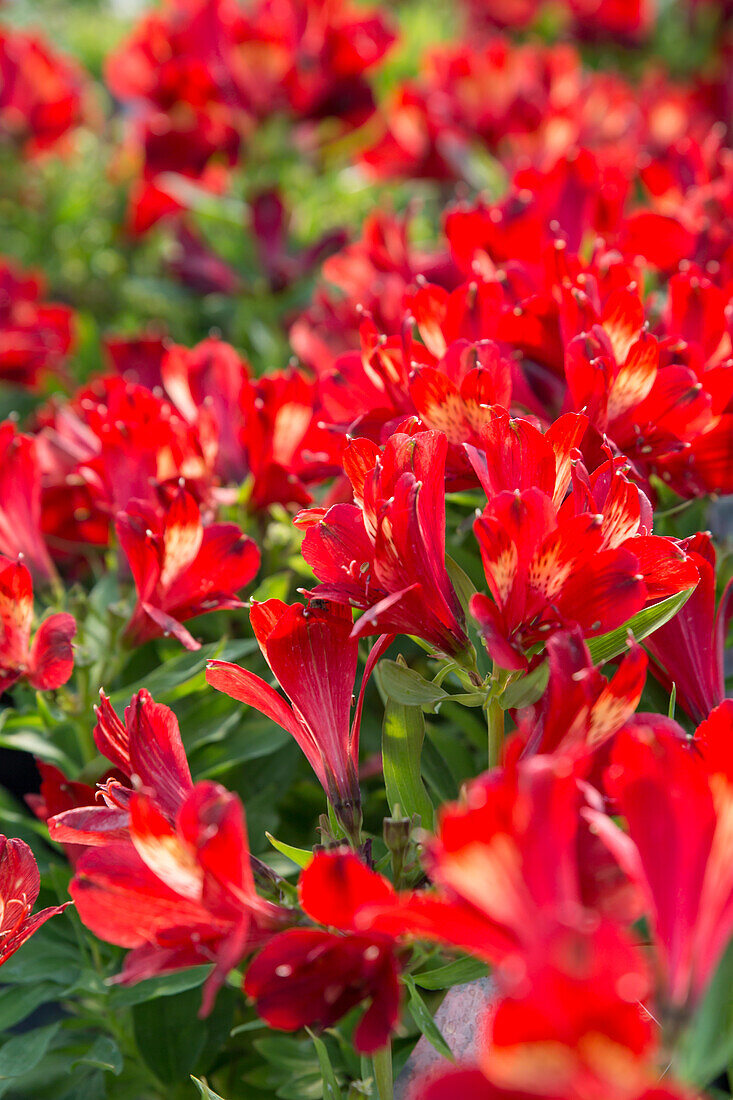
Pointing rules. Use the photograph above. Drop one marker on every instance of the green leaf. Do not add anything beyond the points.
(464, 586)
(207, 1092)
(606, 646)
(406, 686)
(707, 1047)
(300, 856)
(331, 1090)
(17, 1002)
(423, 1017)
(153, 988)
(170, 1036)
(403, 733)
(21, 1053)
(527, 689)
(455, 973)
(105, 1054)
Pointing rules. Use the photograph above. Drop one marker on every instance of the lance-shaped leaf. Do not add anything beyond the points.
(645, 622)
(403, 732)
(406, 686)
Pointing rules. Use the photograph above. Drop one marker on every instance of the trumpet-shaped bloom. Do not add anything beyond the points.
(314, 657)
(386, 552)
(48, 660)
(181, 568)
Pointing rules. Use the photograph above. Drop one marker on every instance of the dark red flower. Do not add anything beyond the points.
(35, 336)
(181, 568)
(307, 977)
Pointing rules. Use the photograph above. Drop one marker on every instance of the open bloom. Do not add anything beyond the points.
(677, 799)
(147, 745)
(309, 977)
(180, 567)
(314, 657)
(177, 893)
(46, 662)
(386, 552)
(20, 502)
(19, 886)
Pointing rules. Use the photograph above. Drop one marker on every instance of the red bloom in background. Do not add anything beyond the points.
(386, 553)
(20, 502)
(307, 977)
(677, 799)
(689, 650)
(181, 568)
(57, 794)
(48, 661)
(19, 886)
(177, 893)
(312, 653)
(269, 224)
(40, 91)
(35, 336)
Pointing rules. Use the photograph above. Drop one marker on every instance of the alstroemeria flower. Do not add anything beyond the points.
(19, 886)
(147, 745)
(35, 336)
(48, 661)
(571, 1026)
(689, 650)
(178, 893)
(20, 502)
(308, 977)
(314, 657)
(580, 710)
(589, 561)
(677, 799)
(386, 552)
(181, 568)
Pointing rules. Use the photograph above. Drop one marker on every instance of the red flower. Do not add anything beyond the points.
(35, 336)
(677, 799)
(58, 794)
(314, 657)
(147, 745)
(40, 91)
(19, 886)
(689, 650)
(571, 1028)
(386, 553)
(269, 224)
(20, 502)
(178, 893)
(180, 568)
(48, 661)
(580, 710)
(307, 977)
(589, 562)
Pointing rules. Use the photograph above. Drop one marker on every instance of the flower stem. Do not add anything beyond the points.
(382, 1063)
(495, 720)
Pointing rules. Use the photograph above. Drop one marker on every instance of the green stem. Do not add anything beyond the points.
(382, 1063)
(495, 721)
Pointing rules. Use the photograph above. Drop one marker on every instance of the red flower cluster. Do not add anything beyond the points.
(35, 336)
(225, 69)
(41, 92)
